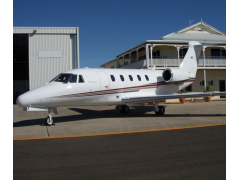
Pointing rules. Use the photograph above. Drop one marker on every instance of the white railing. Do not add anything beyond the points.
(210, 62)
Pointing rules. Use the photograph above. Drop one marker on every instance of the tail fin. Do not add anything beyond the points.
(191, 59)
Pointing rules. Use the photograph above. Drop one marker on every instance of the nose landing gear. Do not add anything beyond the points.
(49, 119)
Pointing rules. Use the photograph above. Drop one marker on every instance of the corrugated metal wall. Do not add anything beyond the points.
(41, 70)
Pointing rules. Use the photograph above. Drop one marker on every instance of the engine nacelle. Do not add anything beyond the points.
(175, 75)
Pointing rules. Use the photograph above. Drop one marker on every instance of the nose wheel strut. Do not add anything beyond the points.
(49, 119)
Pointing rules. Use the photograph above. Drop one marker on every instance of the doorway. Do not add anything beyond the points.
(222, 87)
(20, 65)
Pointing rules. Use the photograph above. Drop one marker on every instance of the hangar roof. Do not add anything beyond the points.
(45, 30)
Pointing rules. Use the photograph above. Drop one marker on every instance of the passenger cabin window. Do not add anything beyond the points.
(130, 77)
(146, 77)
(73, 79)
(121, 77)
(139, 78)
(81, 80)
(113, 78)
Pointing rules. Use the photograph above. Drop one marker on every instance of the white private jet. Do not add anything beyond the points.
(121, 87)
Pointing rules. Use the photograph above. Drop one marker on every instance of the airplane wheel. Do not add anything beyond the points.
(124, 109)
(161, 110)
(49, 120)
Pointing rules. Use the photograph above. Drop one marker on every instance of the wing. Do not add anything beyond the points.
(144, 99)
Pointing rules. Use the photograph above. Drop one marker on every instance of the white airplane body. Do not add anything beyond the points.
(121, 87)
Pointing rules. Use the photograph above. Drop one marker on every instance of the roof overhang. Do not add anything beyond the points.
(171, 43)
(45, 30)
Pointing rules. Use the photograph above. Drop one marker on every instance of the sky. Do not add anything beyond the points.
(110, 27)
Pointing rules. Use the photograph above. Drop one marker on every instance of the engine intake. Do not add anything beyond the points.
(167, 75)
(175, 75)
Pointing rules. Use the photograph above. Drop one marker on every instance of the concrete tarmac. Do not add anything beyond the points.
(105, 119)
(195, 153)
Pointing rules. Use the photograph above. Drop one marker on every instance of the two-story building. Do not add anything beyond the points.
(169, 51)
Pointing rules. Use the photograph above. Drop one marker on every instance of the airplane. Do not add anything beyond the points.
(120, 87)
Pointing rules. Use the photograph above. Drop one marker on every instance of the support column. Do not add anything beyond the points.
(151, 48)
(130, 57)
(77, 48)
(147, 55)
(137, 60)
(117, 62)
(204, 71)
(178, 49)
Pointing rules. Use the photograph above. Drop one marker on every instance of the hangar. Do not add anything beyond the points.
(40, 53)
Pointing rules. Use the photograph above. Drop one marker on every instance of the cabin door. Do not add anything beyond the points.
(104, 86)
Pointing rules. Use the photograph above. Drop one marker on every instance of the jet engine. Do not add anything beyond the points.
(175, 75)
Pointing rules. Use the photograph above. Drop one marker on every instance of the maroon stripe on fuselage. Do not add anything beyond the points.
(124, 90)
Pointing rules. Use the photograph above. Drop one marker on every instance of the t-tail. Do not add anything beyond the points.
(188, 68)
(191, 59)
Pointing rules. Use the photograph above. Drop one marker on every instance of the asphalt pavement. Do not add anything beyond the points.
(194, 153)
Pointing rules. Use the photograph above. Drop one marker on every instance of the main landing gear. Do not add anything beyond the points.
(49, 119)
(159, 110)
(122, 108)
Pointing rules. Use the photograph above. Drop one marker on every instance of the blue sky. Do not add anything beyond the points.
(109, 27)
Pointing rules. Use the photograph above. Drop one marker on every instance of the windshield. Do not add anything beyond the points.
(61, 78)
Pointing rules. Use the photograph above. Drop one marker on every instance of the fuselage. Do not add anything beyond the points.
(99, 87)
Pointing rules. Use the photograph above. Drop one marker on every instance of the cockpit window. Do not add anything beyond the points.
(62, 78)
(81, 80)
(55, 78)
(73, 79)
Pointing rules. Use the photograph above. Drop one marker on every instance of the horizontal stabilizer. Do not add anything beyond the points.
(169, 96)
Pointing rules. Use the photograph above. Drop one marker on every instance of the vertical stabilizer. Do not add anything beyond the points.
(191, 59)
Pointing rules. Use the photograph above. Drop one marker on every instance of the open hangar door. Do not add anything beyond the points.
(20, 65)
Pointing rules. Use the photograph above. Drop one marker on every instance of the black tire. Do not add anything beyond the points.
(161, 110)
(49, 121)
(124, 109)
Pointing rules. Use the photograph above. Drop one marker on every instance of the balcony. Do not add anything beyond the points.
(210, 61)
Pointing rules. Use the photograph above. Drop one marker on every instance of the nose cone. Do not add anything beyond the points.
(22, 101)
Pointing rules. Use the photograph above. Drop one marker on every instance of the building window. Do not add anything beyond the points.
(146, 77)
(112, 67)
(130, 77)
(125, 63)
(202, 83)
(156, 54)
(121, 77)
(189, 88)
(139, 78)
(182, 52)
(113, 78)
(81, 80)
(210, 83)
(142, 57)
(215, 53)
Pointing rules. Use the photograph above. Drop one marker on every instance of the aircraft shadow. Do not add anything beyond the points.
(86, 114)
